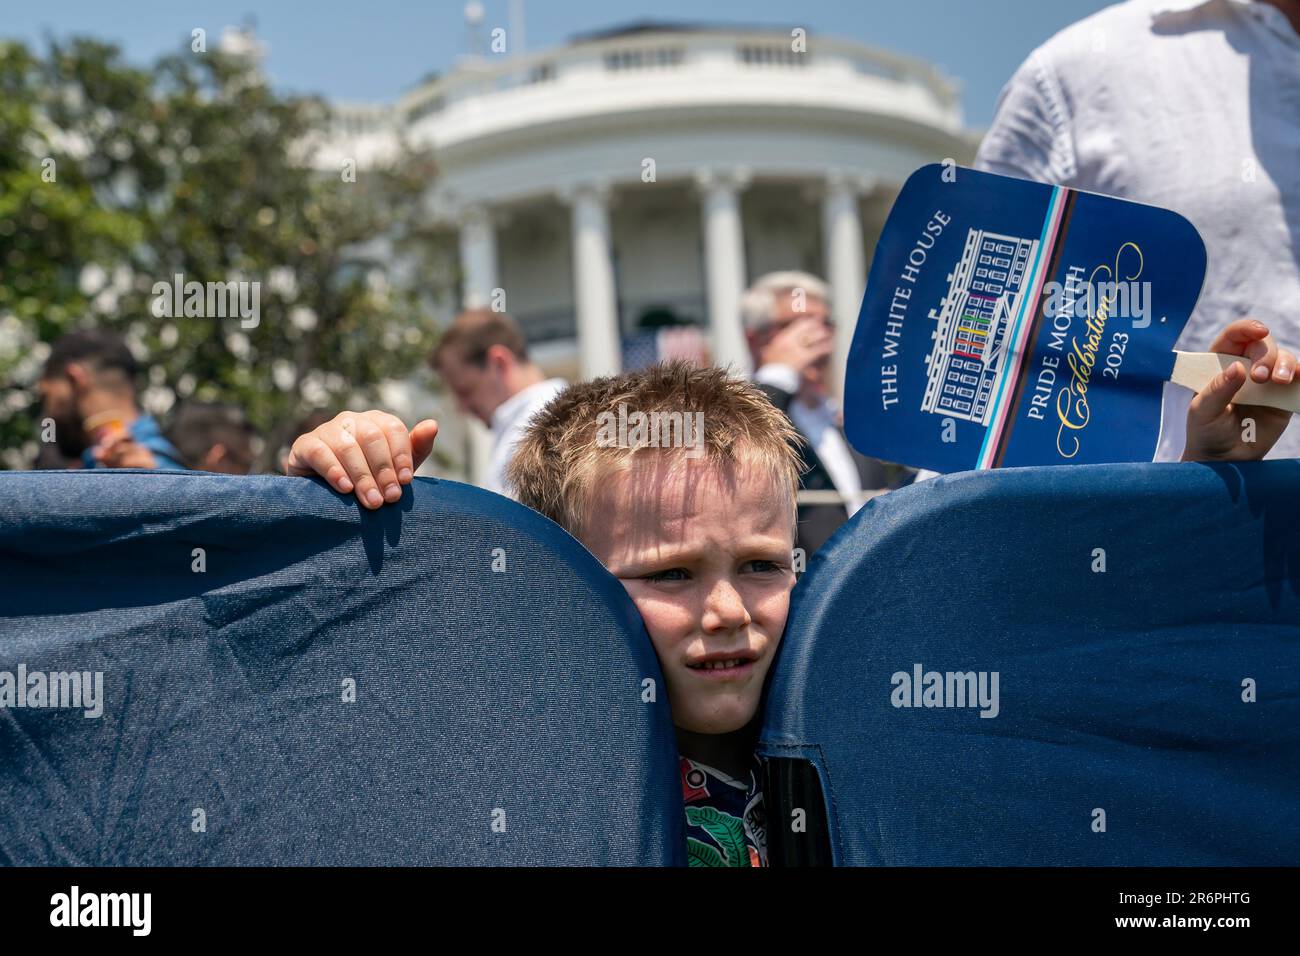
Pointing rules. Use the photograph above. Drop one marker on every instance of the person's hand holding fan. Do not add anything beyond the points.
(1007, 322)
(1221, 424)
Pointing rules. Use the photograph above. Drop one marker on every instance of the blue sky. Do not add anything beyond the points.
(372, 50)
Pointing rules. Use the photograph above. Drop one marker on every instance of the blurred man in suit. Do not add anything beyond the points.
(791, 335)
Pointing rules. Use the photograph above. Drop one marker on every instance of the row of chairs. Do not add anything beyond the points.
(1095, 665)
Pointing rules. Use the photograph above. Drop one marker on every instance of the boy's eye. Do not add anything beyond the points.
(765, 567)
(672, 574)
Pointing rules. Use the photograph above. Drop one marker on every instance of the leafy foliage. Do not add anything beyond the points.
(197, 167)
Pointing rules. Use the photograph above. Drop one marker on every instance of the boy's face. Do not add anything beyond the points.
(705, 552)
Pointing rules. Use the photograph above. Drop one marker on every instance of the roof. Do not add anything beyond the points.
(637, 27)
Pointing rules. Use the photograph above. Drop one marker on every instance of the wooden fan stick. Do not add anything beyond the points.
(1195, 370)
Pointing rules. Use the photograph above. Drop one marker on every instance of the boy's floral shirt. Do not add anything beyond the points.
(725, 824)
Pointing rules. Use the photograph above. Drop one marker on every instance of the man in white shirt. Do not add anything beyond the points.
(1193, 105)
(788, 324)
(483, 360)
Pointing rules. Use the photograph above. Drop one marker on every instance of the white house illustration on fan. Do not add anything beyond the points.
(967, 361)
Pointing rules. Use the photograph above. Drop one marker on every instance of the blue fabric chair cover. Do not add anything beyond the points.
(497, 718)
(1124, 732)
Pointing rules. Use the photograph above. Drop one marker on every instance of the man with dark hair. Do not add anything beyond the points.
(483, 359)
(213, 436)
(87, 389)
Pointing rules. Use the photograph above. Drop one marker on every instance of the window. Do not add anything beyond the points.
(643, 59)
(543, 73)
(420, 110)
(770, 55)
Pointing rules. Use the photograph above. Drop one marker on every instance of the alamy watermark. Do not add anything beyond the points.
(1084, 298)
(651, 430)
(208, 300)
(79, 690)
(75, 908)
(922, 688)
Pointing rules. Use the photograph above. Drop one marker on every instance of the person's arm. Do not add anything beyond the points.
(1216, 427)
(369, 453)
(1032, 135)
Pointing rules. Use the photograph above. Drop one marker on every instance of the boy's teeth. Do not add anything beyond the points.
(714, 665)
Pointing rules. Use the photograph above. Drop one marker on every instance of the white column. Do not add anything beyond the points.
(478, 263)
(724, 266)
(593, 283)
(478, 257)
(845, 264)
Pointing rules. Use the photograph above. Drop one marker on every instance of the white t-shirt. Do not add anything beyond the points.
(1193, 105)
(508, 423)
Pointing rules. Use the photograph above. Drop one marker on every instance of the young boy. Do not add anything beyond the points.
(702, 536)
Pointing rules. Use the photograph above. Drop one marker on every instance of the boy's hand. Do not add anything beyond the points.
(1216, 427)
(366, 452)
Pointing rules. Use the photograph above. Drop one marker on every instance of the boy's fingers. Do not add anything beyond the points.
(341, 436)
(422, 437)
(382, 475)
(312, 456)
(399, 446)
(1213, 400)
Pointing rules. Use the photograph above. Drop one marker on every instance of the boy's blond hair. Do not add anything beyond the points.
(561, 461)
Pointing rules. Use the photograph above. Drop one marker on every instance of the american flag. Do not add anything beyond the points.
(662, 345)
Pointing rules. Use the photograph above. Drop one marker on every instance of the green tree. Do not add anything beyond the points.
(197, 167)
(50, 223)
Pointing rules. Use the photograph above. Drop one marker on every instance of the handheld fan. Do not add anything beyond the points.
(1008, 322)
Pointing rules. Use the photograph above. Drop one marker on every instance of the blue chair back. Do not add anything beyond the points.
(288, 679)
(1092, 665)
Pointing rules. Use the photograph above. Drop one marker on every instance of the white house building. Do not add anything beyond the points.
(645, 175)
(967, 363)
